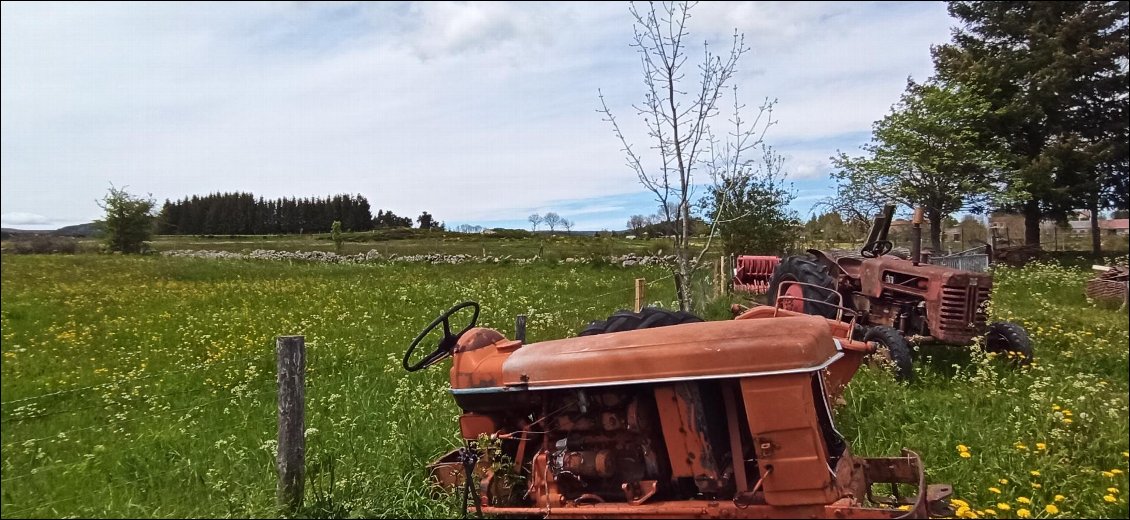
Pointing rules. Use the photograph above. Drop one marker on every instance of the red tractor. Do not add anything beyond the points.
(657, 414)
(896, 302)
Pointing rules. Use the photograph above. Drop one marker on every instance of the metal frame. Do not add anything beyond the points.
(840, 309)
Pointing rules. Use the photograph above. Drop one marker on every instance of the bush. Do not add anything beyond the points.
(42, 244)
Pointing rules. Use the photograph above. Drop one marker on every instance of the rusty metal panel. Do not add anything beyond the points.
(689, 447)
(791, 454)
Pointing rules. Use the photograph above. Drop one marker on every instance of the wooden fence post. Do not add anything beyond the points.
(641, 293)
(291, 459)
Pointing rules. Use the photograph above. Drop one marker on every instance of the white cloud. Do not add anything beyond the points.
(24, 219)
(474, 111)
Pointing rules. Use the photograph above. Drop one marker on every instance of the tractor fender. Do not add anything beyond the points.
(834, 267)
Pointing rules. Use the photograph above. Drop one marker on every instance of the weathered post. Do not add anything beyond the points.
(641, 290)
(291, 459)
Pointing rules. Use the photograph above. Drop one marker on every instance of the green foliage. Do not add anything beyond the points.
(128, 223)
(1055, 76)
(751, 212)
(930, 151)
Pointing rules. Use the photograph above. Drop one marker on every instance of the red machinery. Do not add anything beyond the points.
(753, 273)
(724, 419)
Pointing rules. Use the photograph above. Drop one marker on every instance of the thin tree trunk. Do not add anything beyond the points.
(1096, 238)
(1032, 222)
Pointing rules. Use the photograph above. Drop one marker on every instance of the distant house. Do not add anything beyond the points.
(1118, 226)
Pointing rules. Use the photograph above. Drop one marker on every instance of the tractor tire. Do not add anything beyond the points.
(647, 318)
(806, 269)
(893, 351)
(1009, 338)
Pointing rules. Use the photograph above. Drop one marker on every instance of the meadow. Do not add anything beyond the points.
(145, 386)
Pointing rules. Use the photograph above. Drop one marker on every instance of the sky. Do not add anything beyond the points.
(479, 113)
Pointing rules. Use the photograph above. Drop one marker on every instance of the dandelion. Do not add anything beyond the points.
(995, 490)
(1113, 491)
(1037, 485)
(1003, 506)
(1116, 471)
(1060, 498)
(962, 448)
(1034, 473)
(1041, 446)
(1108, 474)
(991, 511)
(1110, 498)
(965, 454)
(1023, 513)
(1051, 509)
(1067, 421)
(1020, 446)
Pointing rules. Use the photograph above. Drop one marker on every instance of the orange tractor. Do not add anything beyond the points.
(657, 414)
(896, 302)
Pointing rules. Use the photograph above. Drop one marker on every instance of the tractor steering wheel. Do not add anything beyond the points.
(447, 344)
(876, 249)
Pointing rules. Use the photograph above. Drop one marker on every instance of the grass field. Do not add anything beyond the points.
(145, 386)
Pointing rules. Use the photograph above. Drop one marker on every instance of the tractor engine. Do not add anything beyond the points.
(727, 419)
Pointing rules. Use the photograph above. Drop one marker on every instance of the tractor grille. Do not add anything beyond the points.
(961, 307)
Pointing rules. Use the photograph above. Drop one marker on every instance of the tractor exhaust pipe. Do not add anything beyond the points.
(916, 237)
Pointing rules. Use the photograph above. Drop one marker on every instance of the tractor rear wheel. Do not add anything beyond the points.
(647, 318)
(893, 351)
(1010, 338)
(805, 269)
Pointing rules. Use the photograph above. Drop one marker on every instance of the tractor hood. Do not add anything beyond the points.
(719, 349)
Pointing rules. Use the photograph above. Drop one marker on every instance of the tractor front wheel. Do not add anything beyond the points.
(1011, 339)
(647, 318)
(893, 351)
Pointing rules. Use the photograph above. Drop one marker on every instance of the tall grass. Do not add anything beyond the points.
(172, 413)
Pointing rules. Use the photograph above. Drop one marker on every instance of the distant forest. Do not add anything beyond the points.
(243, 214)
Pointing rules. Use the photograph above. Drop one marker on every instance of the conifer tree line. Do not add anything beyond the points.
(244, 214)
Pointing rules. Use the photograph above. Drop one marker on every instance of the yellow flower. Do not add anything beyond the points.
(1041, 446)
(995, 490)
(904, 507)
(1036, 485)
(1116, 471)
(1059, 498)
(1034, 473)
(1024, 500)
(1055, 407)
(1126, 454)
(961, 511)
(1067, 413)
(1003, 506)
(1051, 509)
(959, 502)
(1110, 498)
(1020, 446)
(1067, 421)
(1113, 491)
(1003, 481)
(1108, 474)
(991, 512)
(1023, 513)
(962, 448)
(965, 455)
